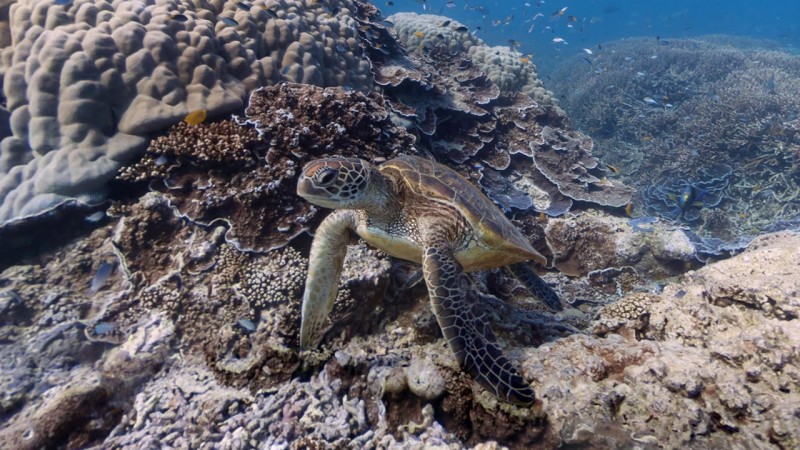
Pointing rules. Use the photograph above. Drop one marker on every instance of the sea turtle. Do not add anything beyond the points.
(416, 209)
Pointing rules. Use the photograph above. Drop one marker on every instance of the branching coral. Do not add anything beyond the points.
(678, 109)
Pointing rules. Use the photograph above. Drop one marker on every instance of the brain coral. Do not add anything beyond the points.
(87, 81)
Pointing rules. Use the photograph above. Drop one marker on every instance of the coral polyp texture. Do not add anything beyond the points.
(509, 69)
(87, 82)
(714, 118)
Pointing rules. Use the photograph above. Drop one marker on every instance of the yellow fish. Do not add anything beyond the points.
(419, 34)
(195, 117)
(629, 209)
(614, 169)
(525, 59)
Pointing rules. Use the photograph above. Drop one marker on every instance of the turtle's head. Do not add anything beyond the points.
(336, 183)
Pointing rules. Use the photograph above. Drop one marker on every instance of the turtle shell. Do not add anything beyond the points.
(429, 179)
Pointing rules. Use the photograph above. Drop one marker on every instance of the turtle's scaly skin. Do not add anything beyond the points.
(421, 211)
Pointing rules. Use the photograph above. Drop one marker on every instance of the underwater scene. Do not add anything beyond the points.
(416, 224)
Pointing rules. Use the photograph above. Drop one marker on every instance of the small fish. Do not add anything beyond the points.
(243, 6)
(640, 74)
(614, 169)
(533, 25)
(271, 13)
(558, 13)
(95, 217)
(180, 18)
(650, 101)
(161, 160)
(691, 196)
(513, 44)
(558, 40)
(661, 41)
(647, 138)
(445, 23)
(463, 29)
(588, 52)
(450, 4)
(62, 2)
(572, 19)
(247, 325)
(101, 276)
(587, 60)
(419, 34)
(229, 21)
(629, 209)
(525, 59)
(509, 19)
(195, 117)
(389, 3)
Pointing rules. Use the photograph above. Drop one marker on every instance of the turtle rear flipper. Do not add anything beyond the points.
(536, 285)
(467, 329)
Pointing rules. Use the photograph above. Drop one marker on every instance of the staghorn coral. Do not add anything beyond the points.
(86, 82)
(699, 103)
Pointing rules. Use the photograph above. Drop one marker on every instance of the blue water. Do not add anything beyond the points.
(601, 21)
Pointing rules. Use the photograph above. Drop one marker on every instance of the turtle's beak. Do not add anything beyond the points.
(312, 193)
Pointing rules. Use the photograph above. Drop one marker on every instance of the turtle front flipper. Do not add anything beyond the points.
(536, 285)
(324, 270)
(467, 329)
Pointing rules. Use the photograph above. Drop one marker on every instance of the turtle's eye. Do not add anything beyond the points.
(325, 177)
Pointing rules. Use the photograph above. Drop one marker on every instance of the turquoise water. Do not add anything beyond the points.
(600, 21)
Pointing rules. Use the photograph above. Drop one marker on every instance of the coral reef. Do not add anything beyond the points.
(246, 178)
(509, 69)
(87, 81)
(596, 241)
(175, 322)
(721, 344)
(462, 117)
(680, 110)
